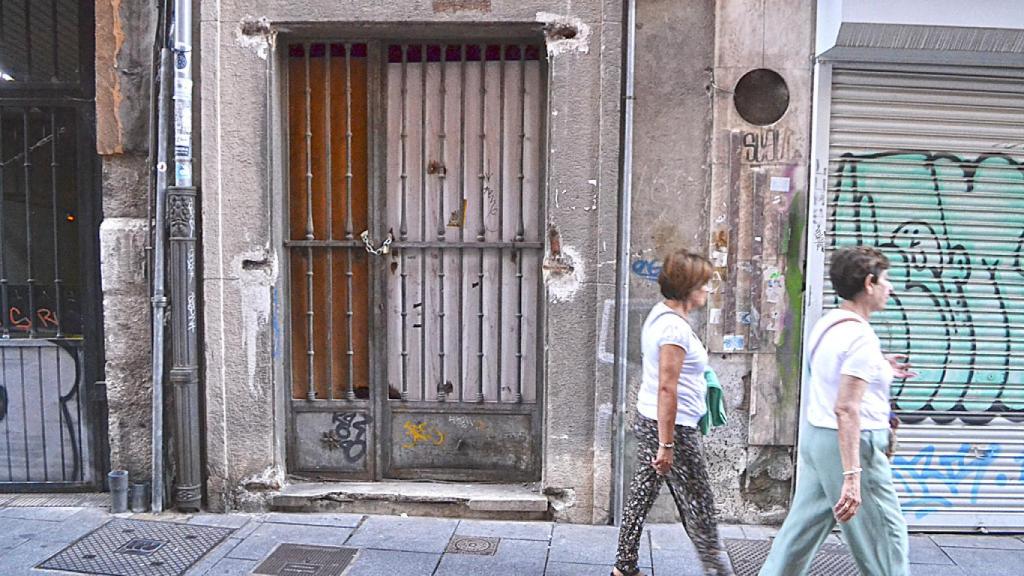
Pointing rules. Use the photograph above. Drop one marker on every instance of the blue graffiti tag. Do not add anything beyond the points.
(930, 480)
(646, 269)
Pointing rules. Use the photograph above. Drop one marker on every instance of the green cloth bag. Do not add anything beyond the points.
(715, 416)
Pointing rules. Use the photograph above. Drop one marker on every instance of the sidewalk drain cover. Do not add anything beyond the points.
(138, 548)
(306, 560)
(749, 555)
(477, 545)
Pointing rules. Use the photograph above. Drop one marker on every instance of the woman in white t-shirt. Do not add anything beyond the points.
(843, 469)
(670, 403)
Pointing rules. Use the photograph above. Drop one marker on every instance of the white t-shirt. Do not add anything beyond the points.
(663, 326)
(849, 348)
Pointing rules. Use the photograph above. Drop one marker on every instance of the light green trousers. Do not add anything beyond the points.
(877, 534)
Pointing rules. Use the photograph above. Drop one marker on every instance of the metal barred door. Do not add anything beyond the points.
(330, 324)
(52, 418)
(46, 419)
(415, 291)
(464, 125)
(927, 163)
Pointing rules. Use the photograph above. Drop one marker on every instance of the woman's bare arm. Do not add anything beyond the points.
(847, 409)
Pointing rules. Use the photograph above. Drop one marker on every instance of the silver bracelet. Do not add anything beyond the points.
(852, 472)
(667, 445)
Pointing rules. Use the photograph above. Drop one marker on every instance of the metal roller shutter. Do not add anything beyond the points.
(927, 163)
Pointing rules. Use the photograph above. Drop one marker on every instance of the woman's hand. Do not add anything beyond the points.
(849, 498)
(900, 366)
(662, 463)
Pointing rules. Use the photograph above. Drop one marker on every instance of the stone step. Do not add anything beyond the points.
(444, 499)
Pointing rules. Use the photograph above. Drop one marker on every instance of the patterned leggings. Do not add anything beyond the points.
(690, 488)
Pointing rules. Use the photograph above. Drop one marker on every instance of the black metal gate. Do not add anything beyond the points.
(52, 417)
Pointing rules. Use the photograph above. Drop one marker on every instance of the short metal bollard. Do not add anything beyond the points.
(118, 491)
(140, 497)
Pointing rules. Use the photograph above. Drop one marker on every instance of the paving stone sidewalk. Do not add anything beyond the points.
(414, 546)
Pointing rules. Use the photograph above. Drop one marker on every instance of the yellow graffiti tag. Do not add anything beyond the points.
(419, 434)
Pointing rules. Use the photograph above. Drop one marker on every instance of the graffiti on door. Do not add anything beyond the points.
(934, 480)
(953, 227)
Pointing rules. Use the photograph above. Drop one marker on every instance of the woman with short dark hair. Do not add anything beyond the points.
(671, 400)
(843, 469)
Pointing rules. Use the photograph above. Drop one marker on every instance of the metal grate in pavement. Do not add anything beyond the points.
(749, 555)
(89, 500)
(306, 560)
(138, 548)
(476, 545)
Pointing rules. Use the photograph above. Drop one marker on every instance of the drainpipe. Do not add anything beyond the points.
(622, 266)
(159, 296)
(181, 208)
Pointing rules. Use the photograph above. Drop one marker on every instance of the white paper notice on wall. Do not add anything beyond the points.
(779, 184)
(715, 316)
(720, 258)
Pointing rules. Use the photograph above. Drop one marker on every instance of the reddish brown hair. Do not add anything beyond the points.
(682, 273)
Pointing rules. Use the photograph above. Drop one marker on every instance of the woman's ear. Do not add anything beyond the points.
(869, 281)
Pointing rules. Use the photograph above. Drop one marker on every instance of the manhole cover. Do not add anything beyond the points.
(138, 548)
(749, 555)
(306, 560)
(479, 545)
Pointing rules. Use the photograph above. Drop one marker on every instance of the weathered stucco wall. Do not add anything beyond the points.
(124, 37)
(692, 189)
(241, 207)
(756, 223)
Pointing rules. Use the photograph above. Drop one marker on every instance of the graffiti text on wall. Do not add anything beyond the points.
(953, 228)
(933, 481)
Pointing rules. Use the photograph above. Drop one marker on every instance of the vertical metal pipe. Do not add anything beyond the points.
(57, 281)
(60, 418)
(351, 395)
(442, 136)
(423, 221)
(30, 281)
(501, 213)
(310, 351)
(24, 409)
(481, 234)
(329, 234)
(4, 331)
(622, 266)
(182, 200)
(403, 229)
(42, 411)
(159, 299)
(462, 214)
(520, 225)
(156, 197)
(7, 421)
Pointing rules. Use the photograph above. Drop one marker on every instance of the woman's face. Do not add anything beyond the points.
(699, 297)
(879, 291)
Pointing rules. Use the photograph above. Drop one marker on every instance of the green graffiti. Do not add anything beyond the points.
(953, 228)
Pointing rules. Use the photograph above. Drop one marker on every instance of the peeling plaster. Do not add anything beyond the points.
(564, 34)
(256, 35)
(271, 478)
(257, 273)
(563, 283)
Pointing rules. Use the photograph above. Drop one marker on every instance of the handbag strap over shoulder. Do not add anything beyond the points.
(822, 336)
